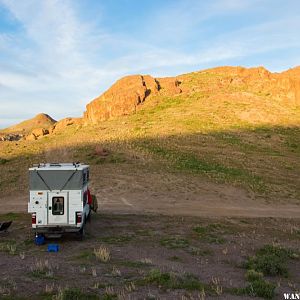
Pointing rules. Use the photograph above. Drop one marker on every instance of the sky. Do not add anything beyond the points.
(57, 55)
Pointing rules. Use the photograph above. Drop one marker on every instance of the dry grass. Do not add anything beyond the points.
(9, 247)
(102, 254)
(42, 268)
(216, 286)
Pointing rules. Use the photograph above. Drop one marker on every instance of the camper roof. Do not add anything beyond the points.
(59, 166)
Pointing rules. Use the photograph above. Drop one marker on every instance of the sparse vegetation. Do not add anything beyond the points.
(185, 161)
(210, 233)
(142, 266)
(116, 239)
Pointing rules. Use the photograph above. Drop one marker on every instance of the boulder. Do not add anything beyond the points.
(62, 124)
(39, 132)
(31, 137)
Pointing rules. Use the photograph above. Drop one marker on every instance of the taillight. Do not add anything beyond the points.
(33, 218)
(78, 217)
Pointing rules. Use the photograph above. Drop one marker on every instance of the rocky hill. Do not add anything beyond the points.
(130, 93)
(40, 125)
(259, 95)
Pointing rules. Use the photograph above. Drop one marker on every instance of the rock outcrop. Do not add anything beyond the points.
(62, 124)
(126, 95)
(11, 137)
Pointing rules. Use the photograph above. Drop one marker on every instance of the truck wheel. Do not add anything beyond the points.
(88, 218)
(80, 234)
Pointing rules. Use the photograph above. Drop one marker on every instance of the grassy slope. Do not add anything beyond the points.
(240, 136)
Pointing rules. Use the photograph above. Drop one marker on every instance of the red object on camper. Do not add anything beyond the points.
(89, 197)
(78, 217)
(33, 218)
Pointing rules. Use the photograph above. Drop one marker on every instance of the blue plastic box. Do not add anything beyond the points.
(53, 248)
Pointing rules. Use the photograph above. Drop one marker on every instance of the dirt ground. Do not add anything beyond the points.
(168, 236)
(212, 258)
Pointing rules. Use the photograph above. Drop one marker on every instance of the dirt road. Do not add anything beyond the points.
(170, 194)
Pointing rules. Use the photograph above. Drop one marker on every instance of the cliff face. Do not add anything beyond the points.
(127, 94)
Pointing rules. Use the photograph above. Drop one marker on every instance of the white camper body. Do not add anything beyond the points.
(58, 198)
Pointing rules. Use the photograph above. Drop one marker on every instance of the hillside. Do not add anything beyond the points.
(262, 93)
(39, 121)
(224, 141)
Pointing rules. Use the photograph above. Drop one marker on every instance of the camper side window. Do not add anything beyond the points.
(58, 205)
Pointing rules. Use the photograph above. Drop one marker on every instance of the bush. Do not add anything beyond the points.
(260, 288)
(268, 264)
(270, 260)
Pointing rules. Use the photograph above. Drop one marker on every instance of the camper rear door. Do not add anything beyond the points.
(58, 208)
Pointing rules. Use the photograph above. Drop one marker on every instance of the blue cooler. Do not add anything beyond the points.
(53, 248)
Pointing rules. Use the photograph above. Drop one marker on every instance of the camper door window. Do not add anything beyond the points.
(58, 205)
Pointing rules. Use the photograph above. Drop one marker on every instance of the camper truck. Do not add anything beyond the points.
(60, 200)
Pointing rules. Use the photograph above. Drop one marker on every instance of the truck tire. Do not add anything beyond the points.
(80, 234)
(88, 218)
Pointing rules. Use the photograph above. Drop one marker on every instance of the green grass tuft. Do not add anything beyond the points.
(174, 242)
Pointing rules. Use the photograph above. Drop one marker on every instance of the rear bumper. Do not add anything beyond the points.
(56, 229)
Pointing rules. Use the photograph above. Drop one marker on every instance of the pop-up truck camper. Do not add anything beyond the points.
(60, 200)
